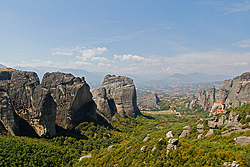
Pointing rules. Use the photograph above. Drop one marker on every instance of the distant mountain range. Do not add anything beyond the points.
(191, 78)
(95, 79)
(2, 66)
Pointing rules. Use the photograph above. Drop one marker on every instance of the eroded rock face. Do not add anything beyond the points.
(117, 94)
(43, 115)
(72, 96)
(29, 101)
(150, 101)
(8, 118)
(233, 92)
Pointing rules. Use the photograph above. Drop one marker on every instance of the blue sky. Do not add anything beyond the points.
(140, 37)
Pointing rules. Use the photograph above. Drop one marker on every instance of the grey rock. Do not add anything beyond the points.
(104, 103)
(227, 133)
(146, 138)
(153, 149)
(227, 163)
(43, 115)
(212, 125)
(222, 120)
(169, 134)
(30, 101)
(143, 149)
(150, 101)
(111, 147)
(173, 141)
(242, 140)
(185, 131)
(210, 132)
(200, 136)
(72, 96)
(8, 117)
(85, 156)
(120, 96)
(172, 145)
(234, 92)
(200, 128)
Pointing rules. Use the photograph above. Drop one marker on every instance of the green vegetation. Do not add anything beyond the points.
(127, 135)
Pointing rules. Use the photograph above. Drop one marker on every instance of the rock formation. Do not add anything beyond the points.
(9, 122)
(232, 93)
(23, 96)
(200, 128)
(185, 131)
(242, 140)
(169, 134)
(72, 96)
(117, 94)
(27, 106)
(172, 145)
(150, 101)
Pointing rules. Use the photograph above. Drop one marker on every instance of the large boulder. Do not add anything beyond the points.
(200, 128)
(185, 131)
(172, 145)
(117, 94)
(72, 96)
(242, 140)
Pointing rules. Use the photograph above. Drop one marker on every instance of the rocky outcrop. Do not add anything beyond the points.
(117, 94)
(27, 106)
(242, 140)
(233, 92)
(200, 128)
(146, 138)
(172, 145)
(8, 118)
(169, 134)
(150, 101)
(72, 96)
(143, 149)
(28, 100)
(185, 131)
(111, 147)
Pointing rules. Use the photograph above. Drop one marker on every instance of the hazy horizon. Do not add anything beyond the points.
(143, 38)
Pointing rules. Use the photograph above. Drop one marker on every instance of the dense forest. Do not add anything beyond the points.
(126, 136)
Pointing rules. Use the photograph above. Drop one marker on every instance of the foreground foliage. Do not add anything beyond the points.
(127, 135)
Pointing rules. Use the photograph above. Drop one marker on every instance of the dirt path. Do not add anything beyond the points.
(159, 112)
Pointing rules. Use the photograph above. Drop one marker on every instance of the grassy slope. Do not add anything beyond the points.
(127, 136)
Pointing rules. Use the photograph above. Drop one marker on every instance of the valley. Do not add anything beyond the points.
(60, 122)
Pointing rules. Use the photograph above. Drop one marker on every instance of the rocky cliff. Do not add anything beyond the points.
(233, 92)
(22, 95)
(150, 101)
(27, 106)
(72, 96)
(117, 94)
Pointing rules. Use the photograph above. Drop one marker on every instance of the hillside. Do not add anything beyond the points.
(129, 142)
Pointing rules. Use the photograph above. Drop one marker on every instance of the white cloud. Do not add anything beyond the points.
(129, 57)
(63, 53)
(226, 7)
(102, 59)
(238, 64)
(243, 44)
(89, 53)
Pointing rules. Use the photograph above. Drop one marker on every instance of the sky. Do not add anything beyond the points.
(139, 37)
